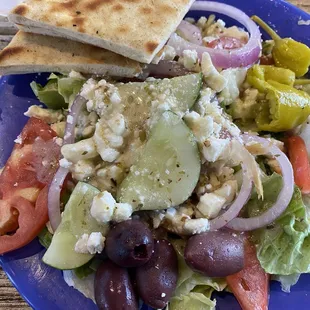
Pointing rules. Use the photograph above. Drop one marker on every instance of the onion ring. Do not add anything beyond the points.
(242, 57)
(284, 198)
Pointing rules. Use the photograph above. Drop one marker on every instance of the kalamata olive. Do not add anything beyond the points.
(157, 279)
(215, 254)
(129, 244)
(113, 289)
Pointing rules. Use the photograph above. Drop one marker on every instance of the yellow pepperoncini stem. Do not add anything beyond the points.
(285, 108)
(287, 53)
(258, 74)
(302, 82)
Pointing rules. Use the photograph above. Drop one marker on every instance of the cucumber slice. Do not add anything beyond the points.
(138, 98)
(167, 170)
(76, 221)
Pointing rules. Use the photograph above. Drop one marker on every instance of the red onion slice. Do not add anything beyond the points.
(61, 174)
(242, 57)
(190, 32)
(53, 197)
(284, 198)
(74, 112)
(164, 69)
(237, 205)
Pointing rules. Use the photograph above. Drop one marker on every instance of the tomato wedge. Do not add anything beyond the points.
(23, 197)
(251, 285)
(298, 155)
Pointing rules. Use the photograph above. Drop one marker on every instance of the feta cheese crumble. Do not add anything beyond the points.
(105, 209)
(90, 244)
(212, 77)
(189, 59)
(18, 140)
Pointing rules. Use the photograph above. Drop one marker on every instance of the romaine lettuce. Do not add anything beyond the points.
(286, 281)
(283, 247)
(59, 92)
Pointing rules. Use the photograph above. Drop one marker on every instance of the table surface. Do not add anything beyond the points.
(9, 297)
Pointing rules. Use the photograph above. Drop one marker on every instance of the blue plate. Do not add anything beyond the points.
(43, 287)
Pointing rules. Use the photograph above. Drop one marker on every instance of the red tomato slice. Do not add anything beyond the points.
(23, 204)
(266, 60)
(251, 285)
(226, 43)
(31, 220)
(298, 155)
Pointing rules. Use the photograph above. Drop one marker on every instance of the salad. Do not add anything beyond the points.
(190, 178)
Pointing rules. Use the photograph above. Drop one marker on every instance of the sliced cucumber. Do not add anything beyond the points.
(167, 170)
(138, 98)
(76, 221)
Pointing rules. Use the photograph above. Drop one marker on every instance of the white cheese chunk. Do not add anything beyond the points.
(105, 209)
(122, 212)
(212, 77)
(84, 149)
(190, 59)
(210, 205)
(83, 169)
(95, 243)
(81, 244)
(196, 226)
(214, 148)
(102, 207)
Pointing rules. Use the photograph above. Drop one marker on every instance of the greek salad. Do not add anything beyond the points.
(193, 177)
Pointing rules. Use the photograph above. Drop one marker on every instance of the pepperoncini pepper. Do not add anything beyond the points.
(285, 108)
(287, 53)
(258, 74)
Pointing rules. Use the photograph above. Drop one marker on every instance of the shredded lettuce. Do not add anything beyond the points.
(284, 247)
(83, 271)
(45, 237)
(87, 269)
(193, 290)
(86, 285)
(59, 92)
(287, 281)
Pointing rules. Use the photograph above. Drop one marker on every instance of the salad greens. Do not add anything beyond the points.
(59, 92)
(193, 290)
(45, 237)
(287, 281)
(283, 248)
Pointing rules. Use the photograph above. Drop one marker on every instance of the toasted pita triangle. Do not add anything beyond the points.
(136, 29)
(29, 53)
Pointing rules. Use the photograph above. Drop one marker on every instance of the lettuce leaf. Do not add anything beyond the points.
(286, 281)
(193, 301)
(284, 247)
(45, 237)
(59, 92)
(193, 290)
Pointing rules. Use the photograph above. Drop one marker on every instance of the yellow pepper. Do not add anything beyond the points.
(287, 53)
(258, 74)
(284, 109)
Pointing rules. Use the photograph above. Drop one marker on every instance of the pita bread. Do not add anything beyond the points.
(28, 53)
(137, 29)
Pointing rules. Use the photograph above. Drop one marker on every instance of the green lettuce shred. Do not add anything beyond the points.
(287, 281)
(193, 290)
(45, 237)
(59, 92)
(87, 269)
(283, 247)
